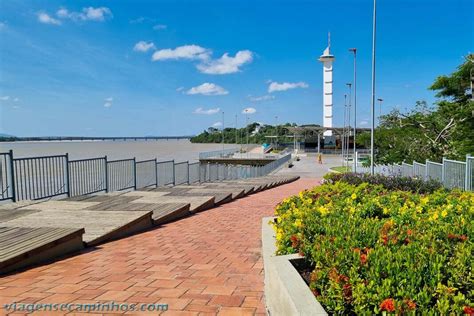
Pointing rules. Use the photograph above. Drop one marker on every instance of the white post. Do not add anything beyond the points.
(372, 141)
(467, 179)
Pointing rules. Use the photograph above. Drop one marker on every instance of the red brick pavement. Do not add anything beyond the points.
(201, 265)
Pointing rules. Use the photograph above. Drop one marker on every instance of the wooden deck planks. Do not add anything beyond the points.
(98, 226)
(22, 246)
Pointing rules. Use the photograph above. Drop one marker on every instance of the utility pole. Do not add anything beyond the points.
(354, 50)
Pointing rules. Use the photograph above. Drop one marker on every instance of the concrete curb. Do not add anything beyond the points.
(286, 293)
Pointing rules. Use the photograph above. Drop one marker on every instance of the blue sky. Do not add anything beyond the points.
(171, 67)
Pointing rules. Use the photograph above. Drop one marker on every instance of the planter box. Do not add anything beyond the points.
(286, 293)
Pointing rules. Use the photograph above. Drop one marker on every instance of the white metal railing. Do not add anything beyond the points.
(218, 153)
(451, 173)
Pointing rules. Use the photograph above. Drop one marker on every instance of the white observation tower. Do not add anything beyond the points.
(327, 58)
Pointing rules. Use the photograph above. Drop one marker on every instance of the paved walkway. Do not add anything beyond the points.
(308, 167)
(205, 264)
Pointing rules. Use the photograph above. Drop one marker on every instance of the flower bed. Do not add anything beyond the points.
(373, 250)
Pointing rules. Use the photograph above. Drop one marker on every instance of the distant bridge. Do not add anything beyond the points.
(85, 138)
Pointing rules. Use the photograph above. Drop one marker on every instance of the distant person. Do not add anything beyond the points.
(320, 158)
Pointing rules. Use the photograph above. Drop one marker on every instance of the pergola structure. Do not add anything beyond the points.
(313, 134)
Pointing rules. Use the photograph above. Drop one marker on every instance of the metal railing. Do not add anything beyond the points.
(7, 189)
(34, 178)
(40, 177)
(451, 173)
(193, 172)
(165, 173)
(121, 174)
(218, 153)
(181, 172)
(147, 174)
(87, 176)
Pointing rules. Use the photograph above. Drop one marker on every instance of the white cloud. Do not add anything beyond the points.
(159, 27)
(364, 123)
(87, 14)
(249, 111)
(108, 102)
(206, 112)
(16, 99)
(179, 89)
(275, 86)
(46, 19)
(3, 25)
(217, 124)
(5, 98)
(16, 107)
(208, 89)
(226, 64)
(191, 52)
(262, 98)
(139, 20)
(143, 46)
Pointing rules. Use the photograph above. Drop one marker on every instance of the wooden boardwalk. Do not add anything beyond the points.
(103, 217)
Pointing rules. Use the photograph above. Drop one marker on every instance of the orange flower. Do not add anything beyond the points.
(410, 304)
(388, 305)
(363, 258)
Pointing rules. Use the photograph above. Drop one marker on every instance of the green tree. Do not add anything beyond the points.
(445, 129)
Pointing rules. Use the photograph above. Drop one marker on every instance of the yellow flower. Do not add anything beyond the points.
(443, 213)
(298, 223)
(323, 210)
(354, 196)
(424, 200)
(279, 235)
(434, 216)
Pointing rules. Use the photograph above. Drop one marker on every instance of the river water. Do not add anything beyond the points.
(180, 150)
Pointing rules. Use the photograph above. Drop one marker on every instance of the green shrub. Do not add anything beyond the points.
(378, 251)
(388, 182)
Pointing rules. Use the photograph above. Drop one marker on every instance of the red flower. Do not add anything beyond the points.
(347, 291)
(363, 258)
(468, 310)
(294, 241)
(388, 305)
(457, 237)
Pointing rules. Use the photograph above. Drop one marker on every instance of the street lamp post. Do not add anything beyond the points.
(343, 140)
(380, 108)
(354, 50)
(374, 29)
